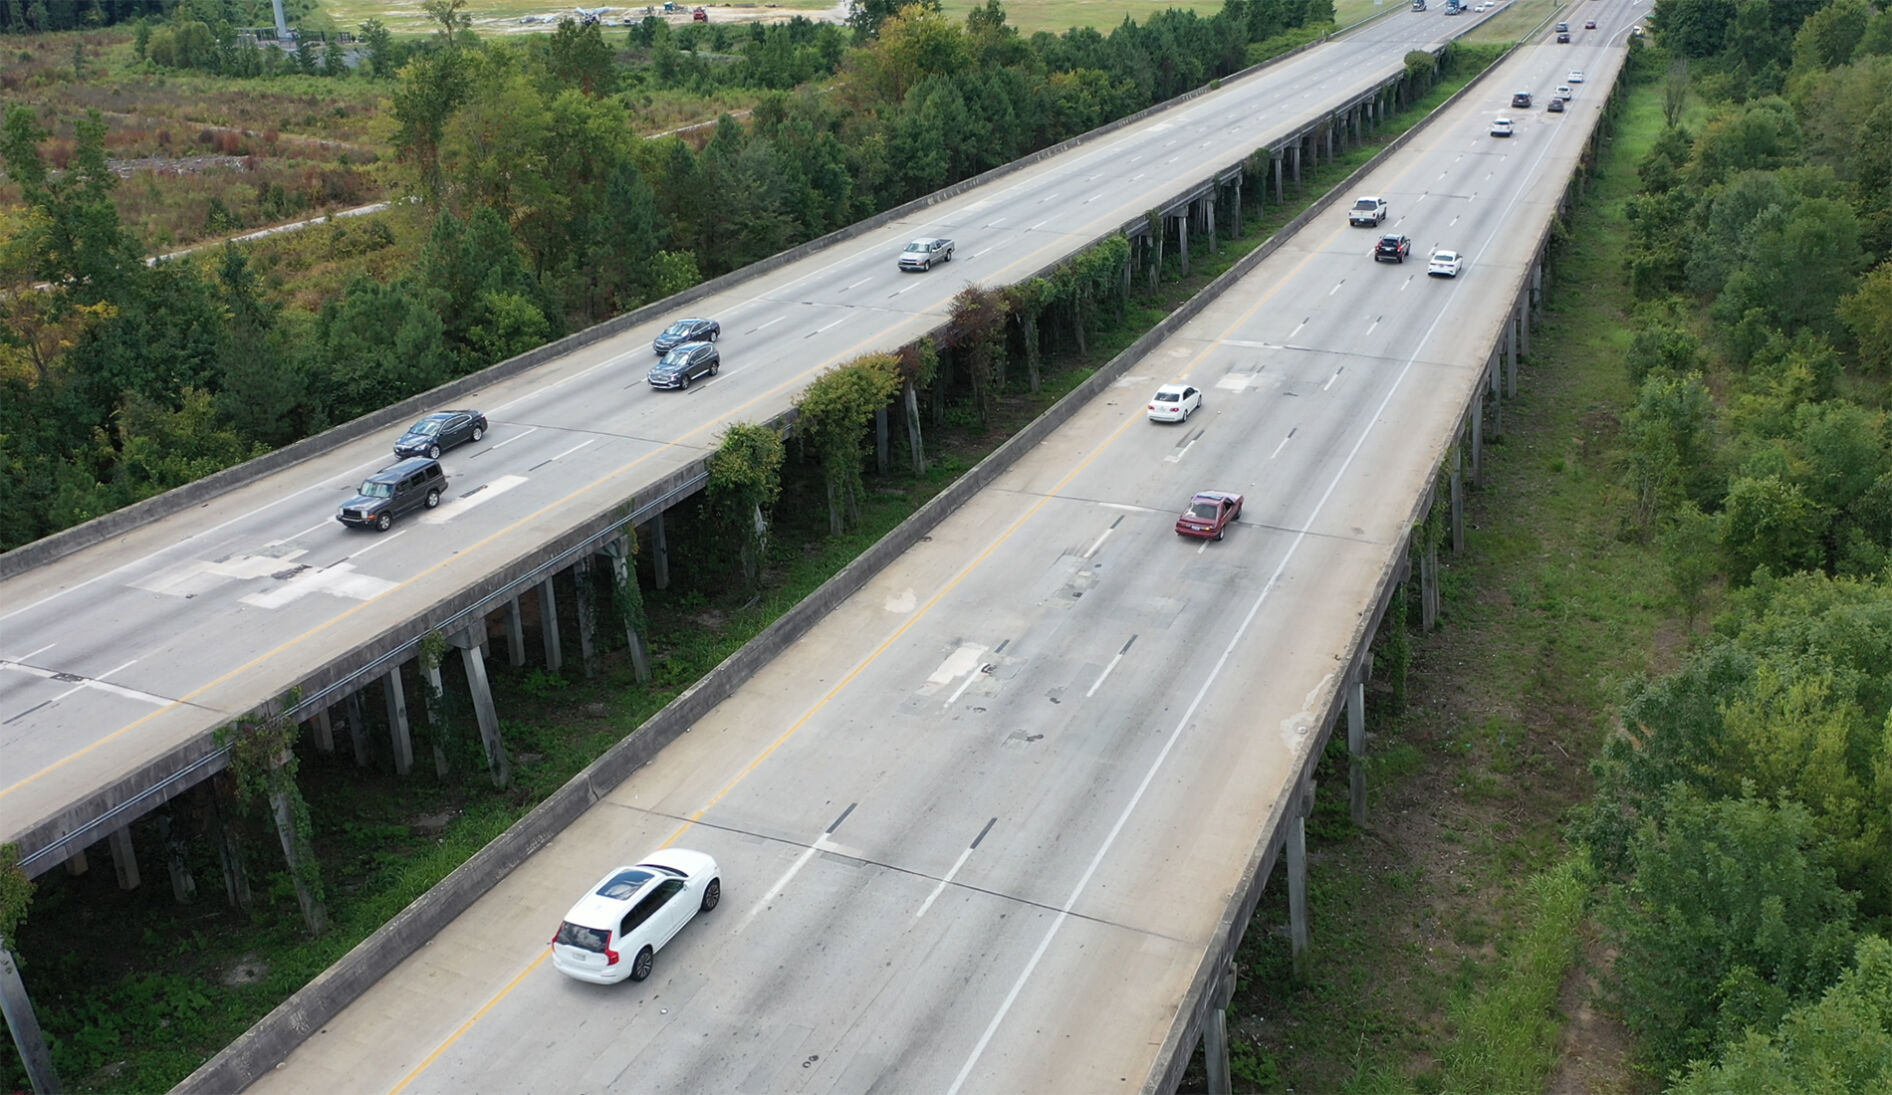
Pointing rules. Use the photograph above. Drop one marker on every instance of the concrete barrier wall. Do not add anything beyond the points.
(100, 529)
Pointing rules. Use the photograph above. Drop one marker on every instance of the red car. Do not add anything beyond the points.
(1208, 514)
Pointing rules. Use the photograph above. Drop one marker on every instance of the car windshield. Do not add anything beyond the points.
(917, 245)
(677, 330)
(1445, 256)
(1365, 203)
(372, 489)
(1389, 241)
(1204, 510)
(1168, 397)
(427, 427)
(577, 935)
(675, 358)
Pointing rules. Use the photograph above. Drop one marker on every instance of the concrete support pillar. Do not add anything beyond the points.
(436, 708)
(1537, 288)
(358, 727)
(496, 761)
(124, 857)
(76, 864)
(1182, 240)
(1511, 344)
(1510, 370)
(1524, 330)
(1429, 588)
(1297, 880)
(619, 552)
(176, 857)
(515, 634)
(398, 733)
(548, 626)
(660, 547)
(17, 1007)
(1297, 165)
(1235, 229)
(1478, 440)
(1156, 261)
(1215, 1052)
(1458, 499)
(880, 440)
(236, 879)
(1208, 209)
(324, 731)
(297, 853)
(587, 614)
(1496, 387)
(1280, 195)
(1356, 745)
(1330, 139)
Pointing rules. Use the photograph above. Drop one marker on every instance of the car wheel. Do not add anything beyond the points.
(715, 333)
(384, 522)
(433, 498)
(712, 894)
(683, 382)
(1218, 533)
(433, 452)
(640, 966)
(478, 432)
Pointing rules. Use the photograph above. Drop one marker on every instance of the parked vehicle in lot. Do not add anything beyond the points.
(393, 491)
(690, 361)
(686, 330)
(1521, 100)
(1444, 264)
(1367, 212)
(922, 253)
(440, 431)
(1174, 403)
(1392, 248)
(616, 929)
(1209, 514)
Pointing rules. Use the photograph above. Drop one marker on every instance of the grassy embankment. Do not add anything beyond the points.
(195, 976)
(1451, 950)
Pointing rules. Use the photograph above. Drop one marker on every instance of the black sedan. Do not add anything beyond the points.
(686, 330)
(440, 431)
(690, 361)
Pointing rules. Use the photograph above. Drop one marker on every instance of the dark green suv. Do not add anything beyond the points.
(393, 491)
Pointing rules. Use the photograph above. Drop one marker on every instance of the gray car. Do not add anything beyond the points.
(685, 363)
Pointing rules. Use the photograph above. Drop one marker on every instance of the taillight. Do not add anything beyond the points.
(610, 957)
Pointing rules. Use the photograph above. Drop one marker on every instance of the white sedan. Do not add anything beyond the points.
(1564, 92)
(1174, 403)
(615, 931)
(1575, 77)
(1444, 264)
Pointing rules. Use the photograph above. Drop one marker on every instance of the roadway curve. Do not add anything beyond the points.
(120, 655)
(978, 827)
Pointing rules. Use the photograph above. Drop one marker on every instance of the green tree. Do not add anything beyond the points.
(431, 89)
(745, 479)
(1840, 1045)
(834, 414)
(1771, 523)
(378, 344)
(1829, 36)
(1730, 919)
(1867, 314)
(383, 59)
(1692, 28)
(577, 57)
(450, 16)
(1661, 348)
(1690, 554)
(1669, 438)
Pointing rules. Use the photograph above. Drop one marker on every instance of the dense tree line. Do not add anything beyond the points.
(549, 213)
(1742, 815)
(41, 16)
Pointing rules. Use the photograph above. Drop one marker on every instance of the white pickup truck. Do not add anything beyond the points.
(1367, 212)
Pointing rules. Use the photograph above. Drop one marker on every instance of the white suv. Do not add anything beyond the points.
(631, 913)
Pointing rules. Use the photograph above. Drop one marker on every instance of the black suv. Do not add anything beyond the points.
(684, 364)
(1522, 100)
(1392, 249)
(392, 491)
